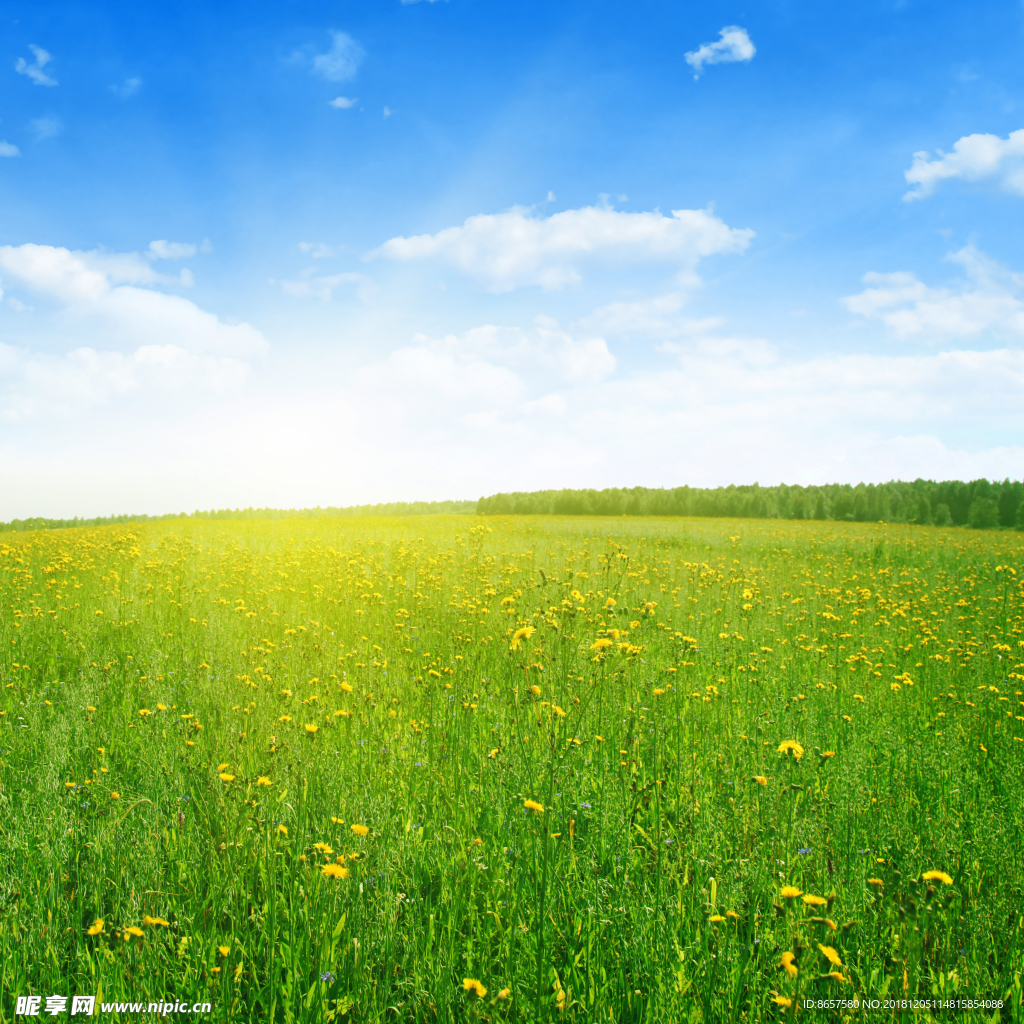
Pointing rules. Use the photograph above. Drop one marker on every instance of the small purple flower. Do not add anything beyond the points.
(327, 976)
(806, 850)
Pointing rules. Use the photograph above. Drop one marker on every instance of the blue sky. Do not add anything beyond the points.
(325, 254)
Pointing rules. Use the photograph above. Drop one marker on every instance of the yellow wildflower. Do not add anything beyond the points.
(96, 927)
(830, 954)
(334, 871)
(787, 963)
(532, 805)
(360, 830)
(791, 746)
(472, 985)
(937, 876)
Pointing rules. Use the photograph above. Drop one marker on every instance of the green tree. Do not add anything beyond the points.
(983, 514)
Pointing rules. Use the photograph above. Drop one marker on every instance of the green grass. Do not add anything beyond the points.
(139, 660)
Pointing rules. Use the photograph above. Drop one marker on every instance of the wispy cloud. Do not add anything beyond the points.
(342, 103)
(317, 250)
(517, 248)
(987, 299)
(45, 127)
(734, 45)
(8, 149)
(341, 62)
(129, 87)
(161, 249)
(974, 158)
(309, 285)
(35, 70)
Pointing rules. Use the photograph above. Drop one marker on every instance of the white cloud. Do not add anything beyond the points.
(341, 61)
(406, 2)
(309, 286)
(8, 149)
(985, 299)
(35, 70)
(317, 250)
(657, 317)
(45, 127)
(974, 158)
(510, 250)
(733, 45)
(129, 87)
(161, 249)
(113, 294)
(387, 112)
(342, 103)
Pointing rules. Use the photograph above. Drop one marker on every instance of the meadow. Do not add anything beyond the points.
(456, 768)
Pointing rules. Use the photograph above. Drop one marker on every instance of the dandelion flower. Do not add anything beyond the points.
(504, 993)
(815, 901)
(360, 830)
(472, 985)
(535, 690)
(224, 950)
(147, 920)
(716, 918)
(133, 930)
(788, 965)
(782, 1000)
(523, 633)
(283, 829)
(346, 687)
(225, 777)
(835, 975)
(493, 753)
(791, 746)
(222, 767)
(830, 954)
(263, 781)
(312, 729)
(334, 871)
(937, 876)
(115, 796)
(760, 780)
(875, 881)
(96, 927)
(790, 892)
(532, 805)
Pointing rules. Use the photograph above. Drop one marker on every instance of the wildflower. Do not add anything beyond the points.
(532, 805)
(658, 692)
(161, 707)
(601, 644)
(283, 829)
(225, 777)
(938, 876)
(472, 985)
(285, 718)
(334, 871)
(147, 920)
(716, 918)
(782, 1000)
(360, 830)
(96, 927)
(610, 603)
(224, 950)
(760, 780)
(814, 901)
(133, 930)
(830, 954)
(790, 892)
(504, 993)
(730, 913)
(558, 711)
(115, 796)
(312, 729)
(523, 633)
(791, 746)
(535, 690)
(222, 767)
(493, 753)
(835, 975)
(346, 687)
(143, 712)
(787, 963)
(263, 781)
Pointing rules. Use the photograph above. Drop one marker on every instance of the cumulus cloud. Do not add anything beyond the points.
(35, 71)
(115, 294)
(341, 62)
(974, 158)
(733, 45)
(161, 249)
(8, 149)
(342, 103)
(985, 299)
(517, 248)
(309, 285)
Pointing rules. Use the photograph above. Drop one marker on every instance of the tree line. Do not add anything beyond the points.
(981, 504)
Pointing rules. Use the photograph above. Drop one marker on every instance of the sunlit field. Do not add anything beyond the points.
(513, 769)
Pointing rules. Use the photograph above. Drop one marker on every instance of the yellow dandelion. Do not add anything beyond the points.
(493, 753)
(788, 965)
(815, 901)
(96, 927)
(716, 918)
(658, 692)
(346, 687)
(225, 777)
(224, 950)
(263, 781)
(521, 634)
(830, 954)
(782, 1000)
(312, 729)
(505, 993)
(283, 829)
(334, 871)
(115, 796)
(937, 876)
(360, 830)
(535, 690)
(791, 746)
(532, 805)
(760, 780)
(472, 985)
(133, 930)
(147, 920)
(835, 975)
(790, 892)
(222, 767)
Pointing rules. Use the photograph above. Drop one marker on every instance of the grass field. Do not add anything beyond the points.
(524, 769)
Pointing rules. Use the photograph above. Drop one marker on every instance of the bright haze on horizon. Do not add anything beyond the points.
(319, 254)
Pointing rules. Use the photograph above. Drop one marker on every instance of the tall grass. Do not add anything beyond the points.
(196, 714)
